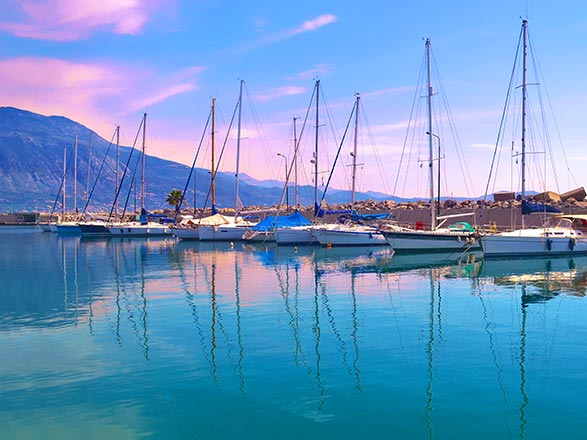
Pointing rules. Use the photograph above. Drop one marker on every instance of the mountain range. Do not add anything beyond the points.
(32, 152)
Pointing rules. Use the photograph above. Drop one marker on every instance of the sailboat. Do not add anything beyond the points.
(350, 230)
(303, 234)
(229, 229)
(561, 234)
(70, 227)
(264, 231)
(143, 227)
(460, 236)
(188, 228)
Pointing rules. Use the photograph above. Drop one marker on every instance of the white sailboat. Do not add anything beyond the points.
(143, 227)
(234, 227)
(303, 235)
(456, 237)
(350, 232)
(189, 227)
(561, 234)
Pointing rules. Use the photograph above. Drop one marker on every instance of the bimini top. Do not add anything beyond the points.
(461, 226)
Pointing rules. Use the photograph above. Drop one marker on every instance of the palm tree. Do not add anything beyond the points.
(174, 198)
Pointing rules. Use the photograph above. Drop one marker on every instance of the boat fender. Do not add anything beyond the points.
(548, 244)
(572, 243)
(370, 235)
(471, 241)
(459, 238)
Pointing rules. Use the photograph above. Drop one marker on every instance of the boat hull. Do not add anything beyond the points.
(259, 236)
(330, 237)
(430, 241)
(186, 233)
(221, 233)
(500, 246)
(73, 229)
(132, 230)
(94, 230)
(294, 236)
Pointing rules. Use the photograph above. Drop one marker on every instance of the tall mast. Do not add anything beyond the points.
(354, 176)
(524, 97)
(75, 178)
(89, 162)
(430, 152)
(64, 182)
(296, 190)
(316, 148)
(213, 168)
(116, 171)
(143, 163)
(238, 148)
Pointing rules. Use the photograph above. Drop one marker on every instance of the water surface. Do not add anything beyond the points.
(138, 338)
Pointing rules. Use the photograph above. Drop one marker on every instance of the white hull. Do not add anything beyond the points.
(533, 242)
(138, 230)
(341, 236)
(430, 241)
(222, 233)
(296, 235)
(46, 227)
(259, 236)
(192, 233)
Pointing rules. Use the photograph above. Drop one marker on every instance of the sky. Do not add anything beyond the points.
(105, 63)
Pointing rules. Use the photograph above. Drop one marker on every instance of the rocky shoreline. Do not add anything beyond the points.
(500, 214)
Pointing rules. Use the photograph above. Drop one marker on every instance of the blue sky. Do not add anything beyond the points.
(104, 64)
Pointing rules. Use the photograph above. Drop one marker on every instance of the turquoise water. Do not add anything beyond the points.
(161, 339)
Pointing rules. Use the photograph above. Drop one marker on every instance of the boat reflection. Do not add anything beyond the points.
(543, 278)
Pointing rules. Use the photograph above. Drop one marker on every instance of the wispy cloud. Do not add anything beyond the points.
(312, 25)
(96, 94)
(276, 37)
(162, 95)
(280, 92)
(390, 128)
(320, 69)
(65, 20)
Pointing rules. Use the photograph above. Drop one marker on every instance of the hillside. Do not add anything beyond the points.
(32, 161)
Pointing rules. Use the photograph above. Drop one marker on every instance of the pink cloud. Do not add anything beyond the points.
(97, 95)
(162, 95)
(317, 23)
(320, 69)
(280, 92)
(65, 20)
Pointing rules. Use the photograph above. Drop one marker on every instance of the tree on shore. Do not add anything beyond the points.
(174, 198)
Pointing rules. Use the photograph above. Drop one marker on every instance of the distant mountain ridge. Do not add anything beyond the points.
(32, 161)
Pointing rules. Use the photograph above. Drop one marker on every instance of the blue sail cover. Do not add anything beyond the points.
(357, 217)
(322, 212)
(529, 208)
(272, 222)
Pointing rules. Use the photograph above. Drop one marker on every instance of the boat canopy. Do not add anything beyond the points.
(461, 227)
(530, 208)
(215, 220)
(272, 222)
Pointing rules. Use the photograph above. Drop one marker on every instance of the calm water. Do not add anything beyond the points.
(162, 339)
